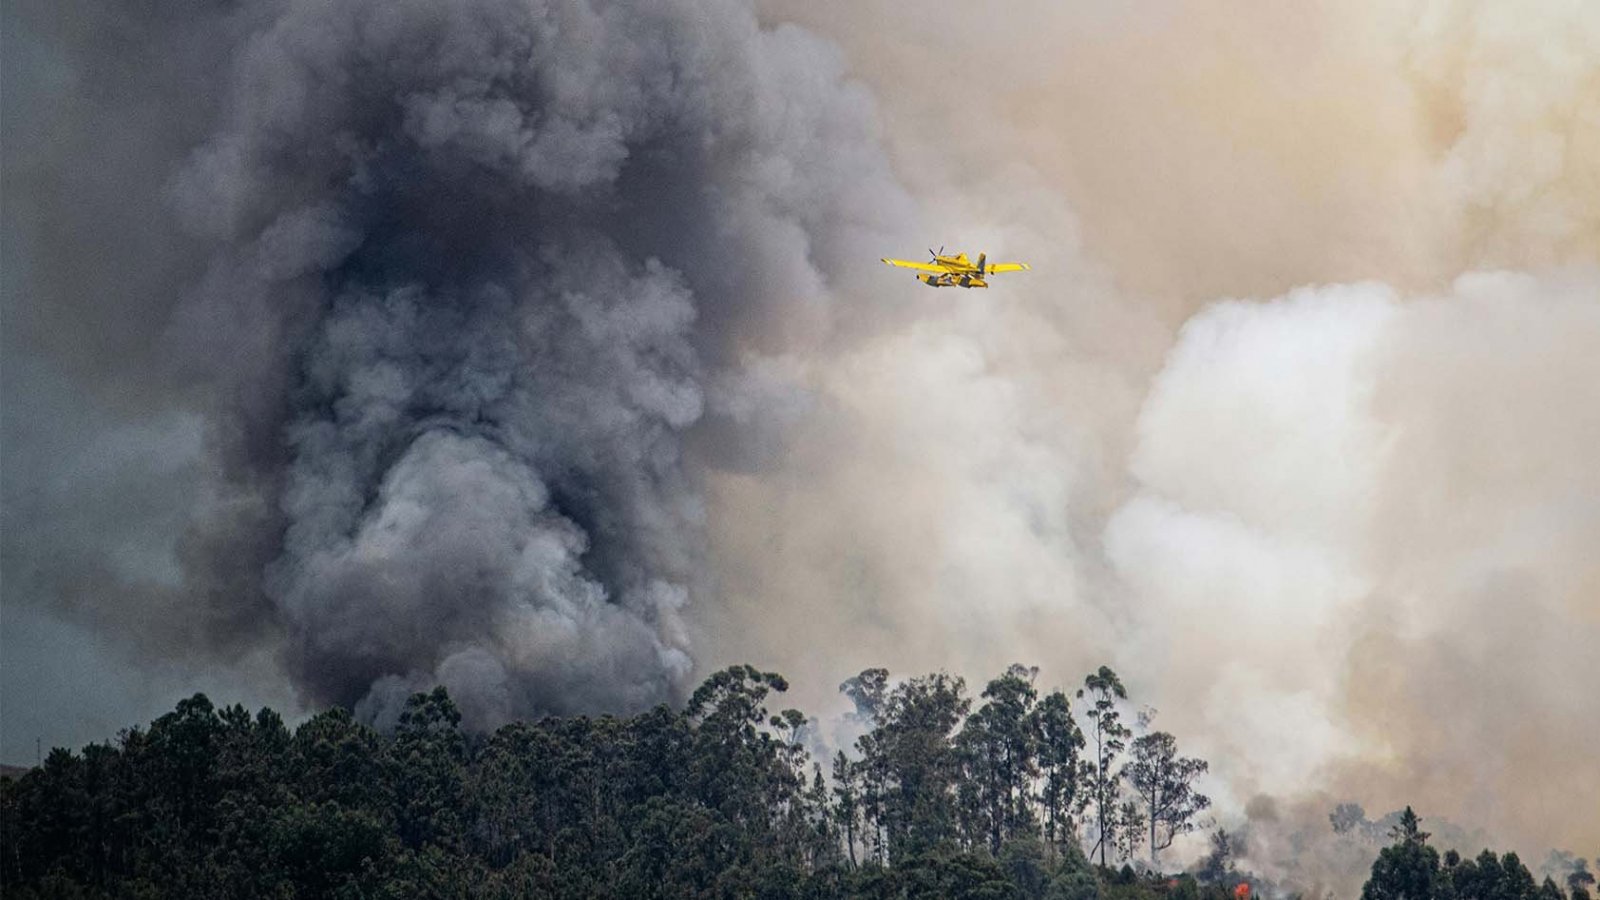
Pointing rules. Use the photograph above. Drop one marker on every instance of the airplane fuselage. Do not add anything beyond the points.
(952, 279)
(960, 272)
(955, 271)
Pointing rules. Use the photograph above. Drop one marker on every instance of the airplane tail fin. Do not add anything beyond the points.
(981, 258)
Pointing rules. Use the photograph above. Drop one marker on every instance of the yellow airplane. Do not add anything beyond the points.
(956, 271)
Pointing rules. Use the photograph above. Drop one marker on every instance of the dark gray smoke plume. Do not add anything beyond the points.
(460, 279)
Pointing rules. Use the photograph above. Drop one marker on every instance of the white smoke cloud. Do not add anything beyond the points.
(1289, 522)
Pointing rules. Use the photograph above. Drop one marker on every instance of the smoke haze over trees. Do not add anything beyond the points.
(538, 349)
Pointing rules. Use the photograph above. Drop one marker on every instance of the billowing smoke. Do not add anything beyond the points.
(1293, 423)
(1365, 490)
(541, 350)
(464, 277)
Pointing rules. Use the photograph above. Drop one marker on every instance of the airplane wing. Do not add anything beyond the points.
(992, 268)
(919, 266)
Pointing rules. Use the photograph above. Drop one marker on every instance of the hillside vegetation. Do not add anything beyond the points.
(1027, 796)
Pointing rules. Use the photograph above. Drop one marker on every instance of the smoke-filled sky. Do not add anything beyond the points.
(540, 348)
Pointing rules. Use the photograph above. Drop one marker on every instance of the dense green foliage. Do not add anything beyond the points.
(719, 799)
(1412, 870)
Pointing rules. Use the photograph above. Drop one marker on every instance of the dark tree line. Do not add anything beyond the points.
(943, 795)
(1410, 869)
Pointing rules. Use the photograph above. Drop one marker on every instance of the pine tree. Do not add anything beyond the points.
(1408, 870)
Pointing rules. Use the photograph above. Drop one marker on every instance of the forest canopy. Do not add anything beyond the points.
(1012, 794)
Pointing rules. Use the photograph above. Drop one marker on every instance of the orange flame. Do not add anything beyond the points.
(1242, 892)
